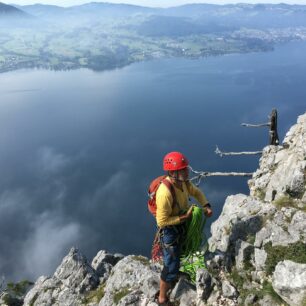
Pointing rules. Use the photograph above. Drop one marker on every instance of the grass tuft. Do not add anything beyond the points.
(295, 252)
(120, 294)
(94, 296)
(144, 260)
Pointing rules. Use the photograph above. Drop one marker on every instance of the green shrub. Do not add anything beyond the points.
(268, 289)
(284, 201)
(94, 296)
(237, 279)
(260, 194)
(295, 252)
(251, 238)
(19, 288)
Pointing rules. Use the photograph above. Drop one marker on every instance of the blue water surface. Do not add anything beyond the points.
(79, 148)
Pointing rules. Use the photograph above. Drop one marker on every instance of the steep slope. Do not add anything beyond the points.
(9, 10)
(42, 10)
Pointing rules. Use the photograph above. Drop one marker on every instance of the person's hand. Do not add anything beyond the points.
(187, 215)
(208, 212)
(189, 212)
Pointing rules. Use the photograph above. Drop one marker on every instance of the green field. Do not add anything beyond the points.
(107, 44)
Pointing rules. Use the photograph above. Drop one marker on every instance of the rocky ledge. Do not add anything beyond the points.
(257, 251)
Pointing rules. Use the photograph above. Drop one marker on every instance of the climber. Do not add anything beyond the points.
(171, 214)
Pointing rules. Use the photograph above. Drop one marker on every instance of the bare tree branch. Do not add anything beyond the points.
(236, 153)
(255, 125)
(202, 174)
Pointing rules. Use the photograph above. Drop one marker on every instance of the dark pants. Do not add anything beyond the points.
(171, 239)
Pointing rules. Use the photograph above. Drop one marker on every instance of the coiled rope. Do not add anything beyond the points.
(193, 247)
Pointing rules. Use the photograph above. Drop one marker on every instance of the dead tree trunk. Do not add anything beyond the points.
(273, 135)
(273, 128)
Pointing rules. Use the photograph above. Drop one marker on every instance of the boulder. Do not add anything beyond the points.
(297, 226)
(289, 281)
(49, 291)
(76, 273)
(73, 278)
(286, 226)
(204, 284)
(103, 263)
(260, 257)
(250, 299)
(228, 290)
(185, 292)
(216, 261)
(241, 218)
(133, 298)
(151, 286)
(243, 251)
(130, 274)
(267, 300)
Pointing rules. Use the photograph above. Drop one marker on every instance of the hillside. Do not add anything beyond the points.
(102, 36)
(257, 251)
(10, 11)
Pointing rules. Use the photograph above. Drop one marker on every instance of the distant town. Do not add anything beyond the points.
(98, 37)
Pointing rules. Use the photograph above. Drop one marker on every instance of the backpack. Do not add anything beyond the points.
(153, 189)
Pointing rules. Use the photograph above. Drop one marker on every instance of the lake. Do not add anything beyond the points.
(79, 148)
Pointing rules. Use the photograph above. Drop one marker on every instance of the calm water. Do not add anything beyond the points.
(79, 148)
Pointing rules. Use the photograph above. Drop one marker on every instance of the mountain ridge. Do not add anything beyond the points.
(186, 10)
(10, 10)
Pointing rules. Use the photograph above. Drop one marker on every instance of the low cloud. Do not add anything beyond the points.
(32, 243)
(68, 202)
(50, 239)
(51, 162)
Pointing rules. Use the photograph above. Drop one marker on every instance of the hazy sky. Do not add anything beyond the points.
(161, 3)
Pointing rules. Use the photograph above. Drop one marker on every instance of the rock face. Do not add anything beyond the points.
(282, 168)
(257, 250)
(131, 277)
(289, 281)
(104, 262)
(257, 233)
(72, 279)
(241, 218)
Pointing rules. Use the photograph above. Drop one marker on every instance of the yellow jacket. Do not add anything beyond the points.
(165, 215)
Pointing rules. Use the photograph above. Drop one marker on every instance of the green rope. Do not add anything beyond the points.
(192, 252)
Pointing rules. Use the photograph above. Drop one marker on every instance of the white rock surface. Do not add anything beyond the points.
(289, 281)
(130, 274)
(282, 168)
(260, 258)
(228, 290)
(241, 217)
(72, 278)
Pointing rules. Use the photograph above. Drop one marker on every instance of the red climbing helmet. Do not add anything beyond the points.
(175, 161)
